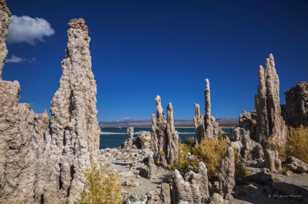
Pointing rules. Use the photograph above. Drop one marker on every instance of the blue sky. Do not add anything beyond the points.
(144, 48)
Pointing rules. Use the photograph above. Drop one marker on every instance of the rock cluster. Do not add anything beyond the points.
(270, 123)
(42, 159)
(248, 121)
(296, 165)
(21, 146)
(142, 140)
(206, 126)
(193, 188)
(196, 187)
(296, 109)
(4, 23)
(165, 137)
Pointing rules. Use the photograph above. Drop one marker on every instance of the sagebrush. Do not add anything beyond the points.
(211, 151)
(297, 144)
(103, 187)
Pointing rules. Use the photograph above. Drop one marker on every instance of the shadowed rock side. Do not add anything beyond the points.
(4, 23)
(43, 160)
(248, 121)
(271, 130)
(270, 123)
(296, 109)
(165, 137)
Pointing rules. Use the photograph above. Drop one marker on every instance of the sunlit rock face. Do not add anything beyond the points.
(270, 123)
(296, 109)
(21, 134)
(21, 141)
(198, 123)
(211, 126)
(164, 135)
(4, 23)
(206, 125)
(193, 187)
(73, 125)
(42, 159)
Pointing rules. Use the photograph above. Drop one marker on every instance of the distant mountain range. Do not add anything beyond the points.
(224, 122)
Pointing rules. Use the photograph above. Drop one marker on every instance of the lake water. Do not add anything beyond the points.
(114, 137)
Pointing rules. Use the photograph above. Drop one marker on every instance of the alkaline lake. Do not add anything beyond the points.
(114, 137)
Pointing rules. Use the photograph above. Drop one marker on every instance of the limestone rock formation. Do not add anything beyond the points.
(142, 140)
(73, 125)
(248, 121)
(22, 134)
(130, 132)
(227, 177)
(251, 151)
(272, 160)
(193, 188)
(296, 165)
(270, 123)
(129, 142)
(206, 126)
(218, 199)
(4, 24)
(211, 126)
(198, 123)
(42, 159)
(165, 137)
(296, 112)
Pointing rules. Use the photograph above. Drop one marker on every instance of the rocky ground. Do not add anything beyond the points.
(137, 183)
(139, 187)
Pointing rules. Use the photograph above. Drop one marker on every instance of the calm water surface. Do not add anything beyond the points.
(114, 137)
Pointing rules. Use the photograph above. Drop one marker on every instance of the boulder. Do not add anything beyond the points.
(296, 165)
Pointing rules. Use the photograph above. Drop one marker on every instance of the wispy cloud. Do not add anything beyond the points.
(14, 59)
(25, 29)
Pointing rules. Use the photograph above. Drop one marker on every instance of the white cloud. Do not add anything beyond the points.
(14, 59)
(25, 29)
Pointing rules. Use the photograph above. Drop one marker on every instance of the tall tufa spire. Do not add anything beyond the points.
(270, 123)
(5, 15)
(207, 97)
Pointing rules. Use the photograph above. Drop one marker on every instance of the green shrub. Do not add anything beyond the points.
(297, 144)
(103, 187)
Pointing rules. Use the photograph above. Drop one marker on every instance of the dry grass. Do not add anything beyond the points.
(103, 187)
(211, 151)
(297, 144)
(185, 162)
